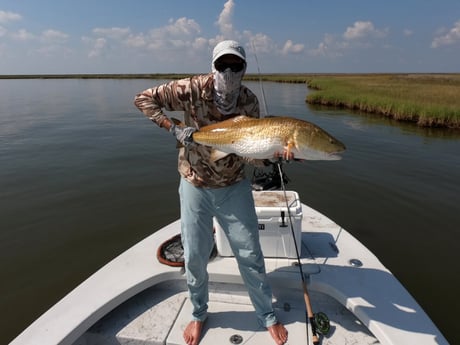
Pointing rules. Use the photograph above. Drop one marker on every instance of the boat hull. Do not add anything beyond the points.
(134, 298)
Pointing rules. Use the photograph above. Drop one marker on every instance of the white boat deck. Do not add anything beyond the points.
(366, 305)
(143, 320)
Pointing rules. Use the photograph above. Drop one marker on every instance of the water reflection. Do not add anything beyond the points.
(363, 119)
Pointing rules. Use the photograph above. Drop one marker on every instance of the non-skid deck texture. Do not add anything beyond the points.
(160, 315)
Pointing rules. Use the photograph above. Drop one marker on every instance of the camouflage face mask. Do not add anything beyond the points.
(227, 87)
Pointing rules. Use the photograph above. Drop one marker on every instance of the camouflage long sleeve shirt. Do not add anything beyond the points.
(194, 96)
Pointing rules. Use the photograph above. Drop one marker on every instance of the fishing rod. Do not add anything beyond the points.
(264, 102)
(319, 322)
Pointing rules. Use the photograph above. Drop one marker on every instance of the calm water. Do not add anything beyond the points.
(84, 175)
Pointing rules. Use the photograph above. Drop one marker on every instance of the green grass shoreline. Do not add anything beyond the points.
(427, 99)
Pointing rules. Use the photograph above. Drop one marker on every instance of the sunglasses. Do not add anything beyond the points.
(234, 66)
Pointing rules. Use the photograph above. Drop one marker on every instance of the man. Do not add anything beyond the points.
(214, 188)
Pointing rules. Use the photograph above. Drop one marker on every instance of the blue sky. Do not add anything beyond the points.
(177, 36)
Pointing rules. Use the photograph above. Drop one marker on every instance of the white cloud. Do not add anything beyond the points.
(136, 41)
(323, 47)
(362, 29)
(53, 36)
(225, 20)
(290, 47)
(114, 33)
(329, 47)
(181, 38)
(54, 50)
(22, 35)
(201, 43)
(6, 17)
(362, 34)
(262, 43)
(179, 35)
(408, 32)
(450, 38)
(97, 46)
(182, 27)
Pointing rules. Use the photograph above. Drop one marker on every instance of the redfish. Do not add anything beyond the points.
(265, 138)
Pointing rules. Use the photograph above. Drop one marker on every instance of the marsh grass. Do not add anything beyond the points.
(279, 78)
(430, 100)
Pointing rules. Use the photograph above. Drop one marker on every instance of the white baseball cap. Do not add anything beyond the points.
(228, 47)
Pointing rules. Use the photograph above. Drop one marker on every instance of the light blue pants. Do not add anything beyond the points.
(233, 208)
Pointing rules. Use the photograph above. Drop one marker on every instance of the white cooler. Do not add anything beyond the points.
(274, 226)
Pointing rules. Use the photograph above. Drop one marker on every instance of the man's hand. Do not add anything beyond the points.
(286, 155)
(183, 134)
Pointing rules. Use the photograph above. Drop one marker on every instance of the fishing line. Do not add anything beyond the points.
(264, 103)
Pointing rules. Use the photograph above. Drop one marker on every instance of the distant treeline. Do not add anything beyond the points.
(273, 77)
(288, 78)
(95, 76)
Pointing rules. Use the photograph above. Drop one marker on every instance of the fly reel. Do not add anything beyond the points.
(322, 323)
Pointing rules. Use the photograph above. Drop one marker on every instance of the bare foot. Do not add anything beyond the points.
(192, 332)
(279, 333)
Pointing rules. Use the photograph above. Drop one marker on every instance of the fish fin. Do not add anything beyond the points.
(234, 121)
(216, 155)
(287, 154)
(241, 118)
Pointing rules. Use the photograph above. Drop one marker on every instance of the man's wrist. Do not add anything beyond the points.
(167, 124)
